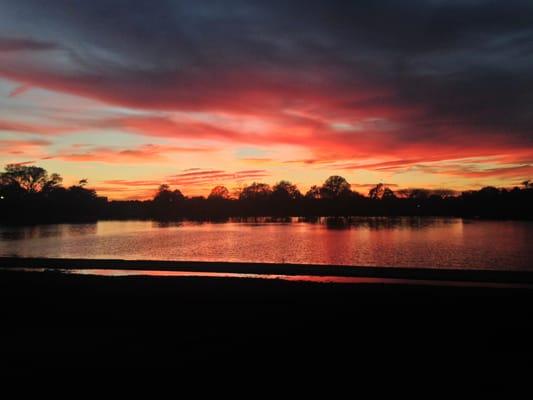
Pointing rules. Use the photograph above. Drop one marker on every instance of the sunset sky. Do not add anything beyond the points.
(131, 94)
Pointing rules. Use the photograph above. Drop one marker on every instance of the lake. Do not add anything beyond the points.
(405, 242)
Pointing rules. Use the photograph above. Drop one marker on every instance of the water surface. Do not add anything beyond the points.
(403, 242)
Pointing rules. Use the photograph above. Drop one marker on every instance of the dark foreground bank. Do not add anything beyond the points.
(476, 334)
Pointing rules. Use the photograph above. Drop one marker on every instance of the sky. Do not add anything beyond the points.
(132, 94)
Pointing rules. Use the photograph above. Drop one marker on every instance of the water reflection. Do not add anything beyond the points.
(264, 220)
(378, 222)
(46, 231)
(167, 224)
(328, 222)
(402, 241)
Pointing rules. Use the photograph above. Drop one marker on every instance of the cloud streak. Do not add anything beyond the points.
(8, 44)
(141, 155)
(391, 88)
(189, 182)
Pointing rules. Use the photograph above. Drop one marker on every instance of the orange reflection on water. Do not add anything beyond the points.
(358, 241)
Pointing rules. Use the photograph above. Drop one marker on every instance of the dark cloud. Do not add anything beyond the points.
(19, 44)
(435, 70)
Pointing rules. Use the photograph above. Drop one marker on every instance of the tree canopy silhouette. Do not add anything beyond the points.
(28, 194)
(30, 179)
(335, 187)
(313, 193)
(380, 191)
(165, 196)
(285, 190)
(219, 192)
(255, 191)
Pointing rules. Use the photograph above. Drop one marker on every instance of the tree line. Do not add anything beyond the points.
(28, 194)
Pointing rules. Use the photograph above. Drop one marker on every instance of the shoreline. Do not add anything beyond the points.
(269, 269)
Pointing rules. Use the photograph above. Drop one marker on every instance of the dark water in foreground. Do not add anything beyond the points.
(408, 242)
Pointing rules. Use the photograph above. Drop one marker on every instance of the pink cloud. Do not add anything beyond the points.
(19, 90)
(43, 129)
(188, 182)
(144, 154)
(22, 147)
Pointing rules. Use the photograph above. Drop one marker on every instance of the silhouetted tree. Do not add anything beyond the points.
(414, 194)
(81, 193)
(256, 191)
(313, 193)
(29, 195)
(30, 179)
(334, 187)
(219, 192)
(442, 193)
(489, 191)
(165, 196)
(285, 190)
(284, 199)
(380, 191)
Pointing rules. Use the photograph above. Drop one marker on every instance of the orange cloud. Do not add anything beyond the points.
(22, 147)
(144, 154)
(518, 172)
